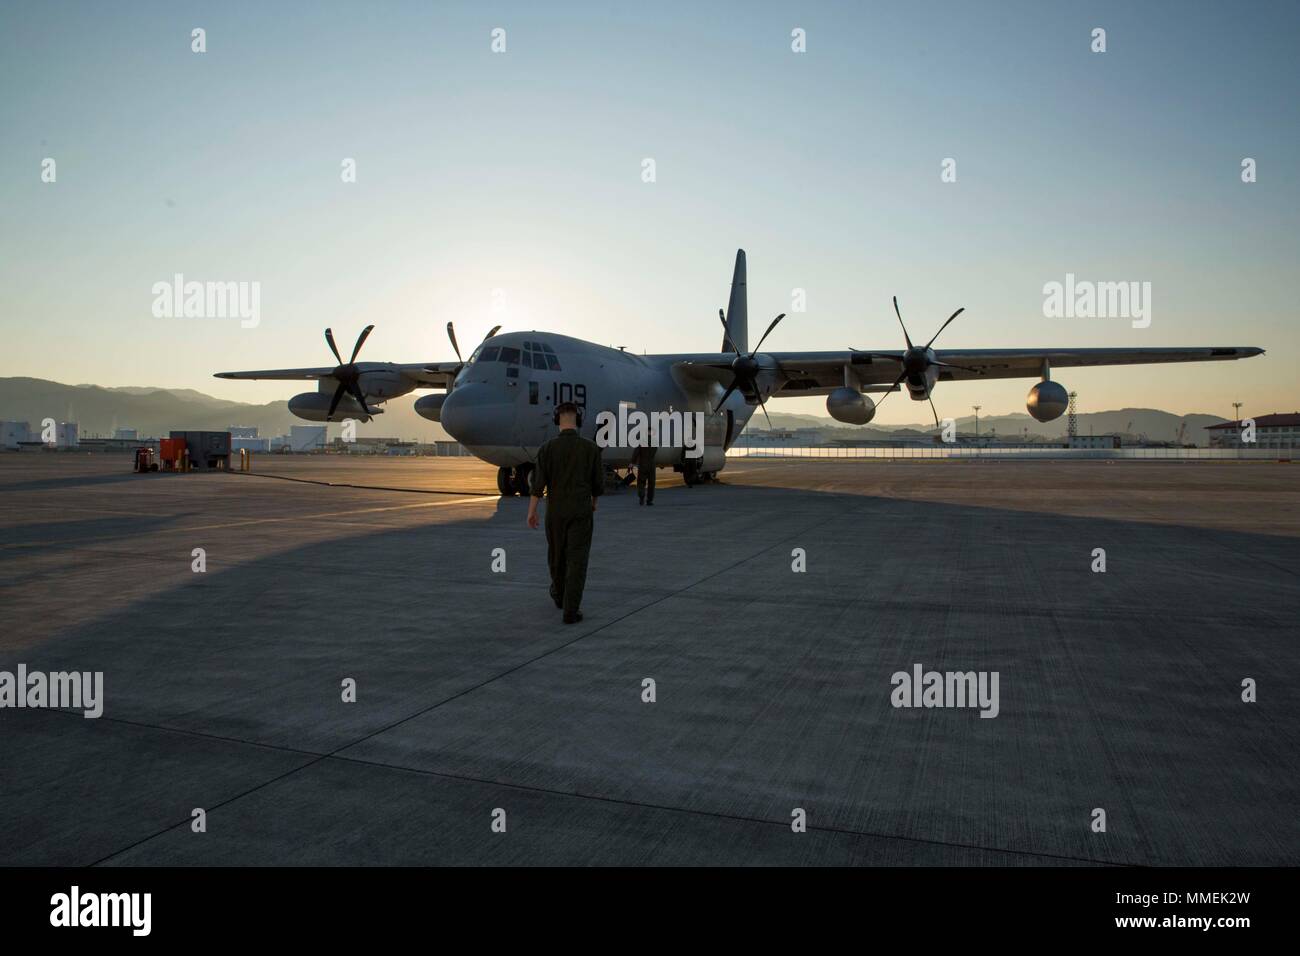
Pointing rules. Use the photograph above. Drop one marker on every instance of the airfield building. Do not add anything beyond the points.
(245, 438)
(1271, 431)
(1094, 441)
(306, 437)
(14, 433)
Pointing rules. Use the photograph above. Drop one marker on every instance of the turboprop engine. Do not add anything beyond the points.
(430, 406)
(1047, 400)
(850, 406)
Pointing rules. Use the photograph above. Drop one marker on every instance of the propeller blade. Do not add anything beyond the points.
(906, 337)
(901, 376)
(964, 368)
(355, 389)
(338, 396)
(944, 326)
(365, 334)
(495, 330)
(933, 412)
(767, 333)
(329, 337)
(726, 395)
(726, 335)
(763, 406)
(451, 334)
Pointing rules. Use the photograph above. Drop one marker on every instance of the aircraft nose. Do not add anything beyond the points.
(477, 414)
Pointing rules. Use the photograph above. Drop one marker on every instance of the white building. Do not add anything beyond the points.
(126, 434)
(66, 435)
(244, 437)
(1094, 441)
(306, 437)
(1276, 431)
(11, 433)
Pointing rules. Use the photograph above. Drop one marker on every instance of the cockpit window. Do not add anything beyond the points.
(490, 353)
(509, 355)
(540, 355)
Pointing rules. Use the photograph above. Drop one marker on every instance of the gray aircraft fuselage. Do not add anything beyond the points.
(503, 410)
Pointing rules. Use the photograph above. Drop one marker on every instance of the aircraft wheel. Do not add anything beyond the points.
(523, 483)
(504, 483)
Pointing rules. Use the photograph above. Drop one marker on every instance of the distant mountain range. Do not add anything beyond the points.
(1151, 423)
(156, 411)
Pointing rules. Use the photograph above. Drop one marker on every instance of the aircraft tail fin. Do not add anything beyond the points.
(737, 308)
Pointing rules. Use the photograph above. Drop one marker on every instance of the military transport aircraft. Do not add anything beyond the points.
(499, 402)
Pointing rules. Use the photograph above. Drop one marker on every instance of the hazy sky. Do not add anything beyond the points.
(522, 171)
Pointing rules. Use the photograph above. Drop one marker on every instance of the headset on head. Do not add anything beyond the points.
(555, 415)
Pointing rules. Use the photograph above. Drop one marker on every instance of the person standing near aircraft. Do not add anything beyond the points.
(571, 475)
(644, 459)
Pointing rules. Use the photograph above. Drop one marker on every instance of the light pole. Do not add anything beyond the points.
(977, 422)
(1236, 411)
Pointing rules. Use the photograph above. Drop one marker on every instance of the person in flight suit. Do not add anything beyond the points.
(644, 459)
(570, 473)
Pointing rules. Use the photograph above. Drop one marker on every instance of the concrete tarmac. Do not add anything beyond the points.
(1119, 690)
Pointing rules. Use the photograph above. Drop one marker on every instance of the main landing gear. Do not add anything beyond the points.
(515, 481)
(693, 474)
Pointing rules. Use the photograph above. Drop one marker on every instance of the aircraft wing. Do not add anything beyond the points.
(432, 374)
(702, 373)
(287, 374)
(818, 373)
(426, 374)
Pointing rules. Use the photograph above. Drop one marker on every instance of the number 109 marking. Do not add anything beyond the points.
(562, 392)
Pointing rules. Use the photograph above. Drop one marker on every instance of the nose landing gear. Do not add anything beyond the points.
(515, 481)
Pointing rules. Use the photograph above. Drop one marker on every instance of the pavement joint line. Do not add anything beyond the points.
(718, 815)
(547, 791)
(346, 484)
(215, 806)
(245, 522)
